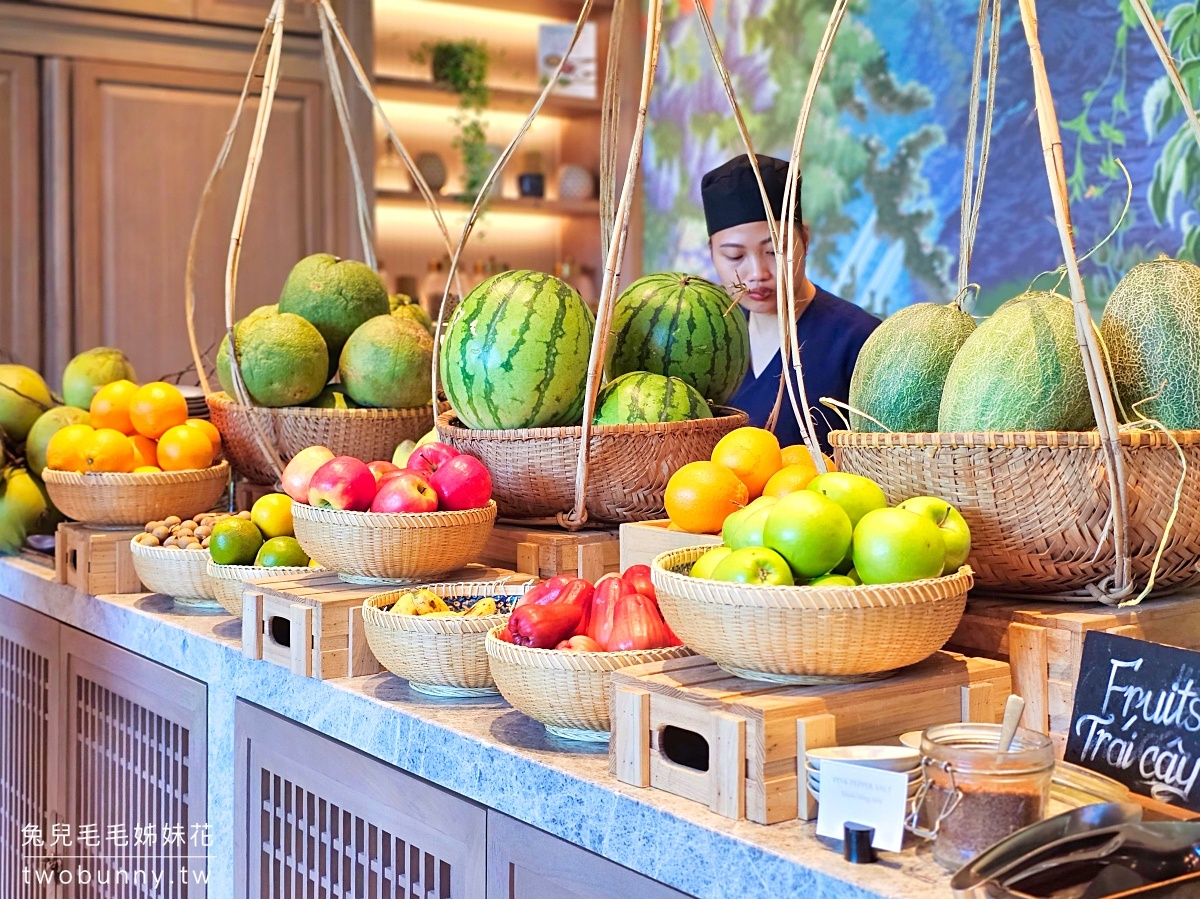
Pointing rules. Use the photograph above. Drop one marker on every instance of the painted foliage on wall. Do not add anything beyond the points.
(883, 158)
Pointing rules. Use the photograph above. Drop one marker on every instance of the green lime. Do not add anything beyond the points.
(281, 551)
(235, 541)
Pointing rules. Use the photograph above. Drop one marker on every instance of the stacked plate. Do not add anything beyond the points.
(887, 758)
(197, 407)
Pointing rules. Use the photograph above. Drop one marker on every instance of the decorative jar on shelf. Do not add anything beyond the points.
(433, 170)
(575, 183)
(531, 182)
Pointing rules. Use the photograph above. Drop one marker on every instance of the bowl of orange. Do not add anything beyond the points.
(138, 458)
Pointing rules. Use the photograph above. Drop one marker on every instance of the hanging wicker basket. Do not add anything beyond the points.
(125, 500)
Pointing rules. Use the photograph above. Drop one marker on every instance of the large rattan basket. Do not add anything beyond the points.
(1038, 503)
(378, 547)
(178, 573)
(125, 500)
(533, 469)
(566, 691)
(228, 581)
(808, 635)
(441, 656)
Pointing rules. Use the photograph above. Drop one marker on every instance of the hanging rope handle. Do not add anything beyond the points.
(610, 117)
(1099, 388)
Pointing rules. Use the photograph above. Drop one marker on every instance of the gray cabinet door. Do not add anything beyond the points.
(318, 818)
(20, 218)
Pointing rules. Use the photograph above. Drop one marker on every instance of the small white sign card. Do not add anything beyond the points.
(870, 796)
(578, 77)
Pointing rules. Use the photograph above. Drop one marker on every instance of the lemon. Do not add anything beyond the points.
(279, 551)
(235, 541)
(273, 515)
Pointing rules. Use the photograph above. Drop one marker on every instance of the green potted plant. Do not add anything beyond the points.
(462, 67)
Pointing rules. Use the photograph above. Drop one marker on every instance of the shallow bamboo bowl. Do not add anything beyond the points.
(566, 691)
(808, 635)
(228, 581)
(440, 656)
(1038, 503)
(125, 500)
(178, 573)
(369, 547)
(533, 469)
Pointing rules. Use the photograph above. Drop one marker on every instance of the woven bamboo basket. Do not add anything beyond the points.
(178, 573)
(566, 691)
(808, 635)
(441, 656)
(1038, 503)
(533, 470)
(377, 547)
(124, 500)
(228, 581)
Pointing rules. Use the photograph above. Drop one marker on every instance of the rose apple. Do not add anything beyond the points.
(405, 491)
(810, 530)
(342, 483)
(703, 566)
(462, 483)
(430, 457)
(893, 546)
(955, 532)
(580, 643)
(754, 565)
(745, 526)
(299, 471)
(638, 577)
(854, 493)
(379, 469)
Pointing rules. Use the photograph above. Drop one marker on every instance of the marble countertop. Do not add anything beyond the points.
(480, 748)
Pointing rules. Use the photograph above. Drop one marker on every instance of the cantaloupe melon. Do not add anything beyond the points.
(902, 367)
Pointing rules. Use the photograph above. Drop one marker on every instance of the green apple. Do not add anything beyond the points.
(955, 531)
(833, 580)
(703, 566)
(809, 530)
(854, 493)
(893, 546)
(745, 526)
(754, 565)
(853, 575)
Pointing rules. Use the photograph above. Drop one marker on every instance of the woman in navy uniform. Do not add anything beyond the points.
(830, 330)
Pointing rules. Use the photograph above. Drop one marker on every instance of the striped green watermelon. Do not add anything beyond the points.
(516, 353)
(902, 368)
(684, 327)
(641, 397)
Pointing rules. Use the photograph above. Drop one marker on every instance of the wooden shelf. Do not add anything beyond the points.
(503, 99)
(565, 208)
(565, 10)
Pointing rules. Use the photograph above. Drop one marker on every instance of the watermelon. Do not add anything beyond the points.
(1020, 370)
(683, 327)
(641, 397)
(902, 367)
(1151, 328)
(516, 353)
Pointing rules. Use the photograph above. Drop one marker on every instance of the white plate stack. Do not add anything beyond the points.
(887, 758)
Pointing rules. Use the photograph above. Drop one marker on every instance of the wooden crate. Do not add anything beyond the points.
(1043, 642)
(545, 552)
(641, 541)
(96, 560)
(739, 747)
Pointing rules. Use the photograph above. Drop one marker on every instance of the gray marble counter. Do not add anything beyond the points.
(481, 749)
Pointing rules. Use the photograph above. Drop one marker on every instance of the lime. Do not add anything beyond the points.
(273, 515)
(234, 541)
(281, 551)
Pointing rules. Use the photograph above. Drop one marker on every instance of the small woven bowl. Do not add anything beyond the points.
(808, 635)
(228, 581)
(125, 500)
(382, 548)
(440, 656)
(566, 691)
(178, 573)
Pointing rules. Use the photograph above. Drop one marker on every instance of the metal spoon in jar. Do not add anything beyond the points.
(1008, 730)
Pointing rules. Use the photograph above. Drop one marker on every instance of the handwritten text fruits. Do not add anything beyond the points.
(754, 565)
(810, 530)
(343, 483)
(297, 475)
(752, 454)
(462, 483)
(701, 495)
(892, 546)
(955, 533)
(405, 492)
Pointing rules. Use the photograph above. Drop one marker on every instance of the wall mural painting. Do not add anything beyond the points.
(884, 152)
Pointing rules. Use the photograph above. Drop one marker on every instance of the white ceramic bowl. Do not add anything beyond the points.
(887, 758)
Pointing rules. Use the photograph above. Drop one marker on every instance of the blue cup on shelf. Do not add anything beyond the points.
(532, 184)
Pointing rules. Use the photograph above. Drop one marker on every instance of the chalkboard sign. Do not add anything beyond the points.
(1137, 717)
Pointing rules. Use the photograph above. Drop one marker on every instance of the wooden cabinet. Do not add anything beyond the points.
(20, 219)
(250, 13)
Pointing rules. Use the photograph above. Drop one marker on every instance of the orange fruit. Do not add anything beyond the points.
(702, 494)
(147, 469)
(108, 450)
(184, 447)
(145, 450)
(789, 479)
(799, 455)
(752, 454)
(156, 408)
(110, 406)
(64, 452)
(209, 429)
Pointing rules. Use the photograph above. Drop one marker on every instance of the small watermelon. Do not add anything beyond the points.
(1021, 370)
(642, 397)
(902, 367)
(1151, 328)
(516, 353)
(684, 327)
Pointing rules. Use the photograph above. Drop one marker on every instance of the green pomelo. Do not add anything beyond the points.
(902, 368)
(48, 424)
(23, 398)
(23, 508)
(388, 364)
(335, 295)
(404, 306)
(281, 551)
(684, 327)
(333, 397)
(1151, 328)
(1020, 370)
(91, 370)
(516, 353)
(283, 358)
(640, 397)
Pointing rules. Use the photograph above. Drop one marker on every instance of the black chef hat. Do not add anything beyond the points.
(731, 195)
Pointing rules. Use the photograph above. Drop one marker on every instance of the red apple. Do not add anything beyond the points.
(580, 643)
(379, 469)
(429, 458)
(342, 483)
(405, 491)
(462, 483)
(299, 471)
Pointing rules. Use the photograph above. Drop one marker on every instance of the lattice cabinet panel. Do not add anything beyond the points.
(320, 820)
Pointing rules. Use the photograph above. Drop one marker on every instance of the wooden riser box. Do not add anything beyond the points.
(96, 560)
(641, 541)
(547, 551)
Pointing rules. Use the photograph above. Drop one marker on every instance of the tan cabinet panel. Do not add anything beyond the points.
(20, 220)
(299, 16)
(173, 9)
